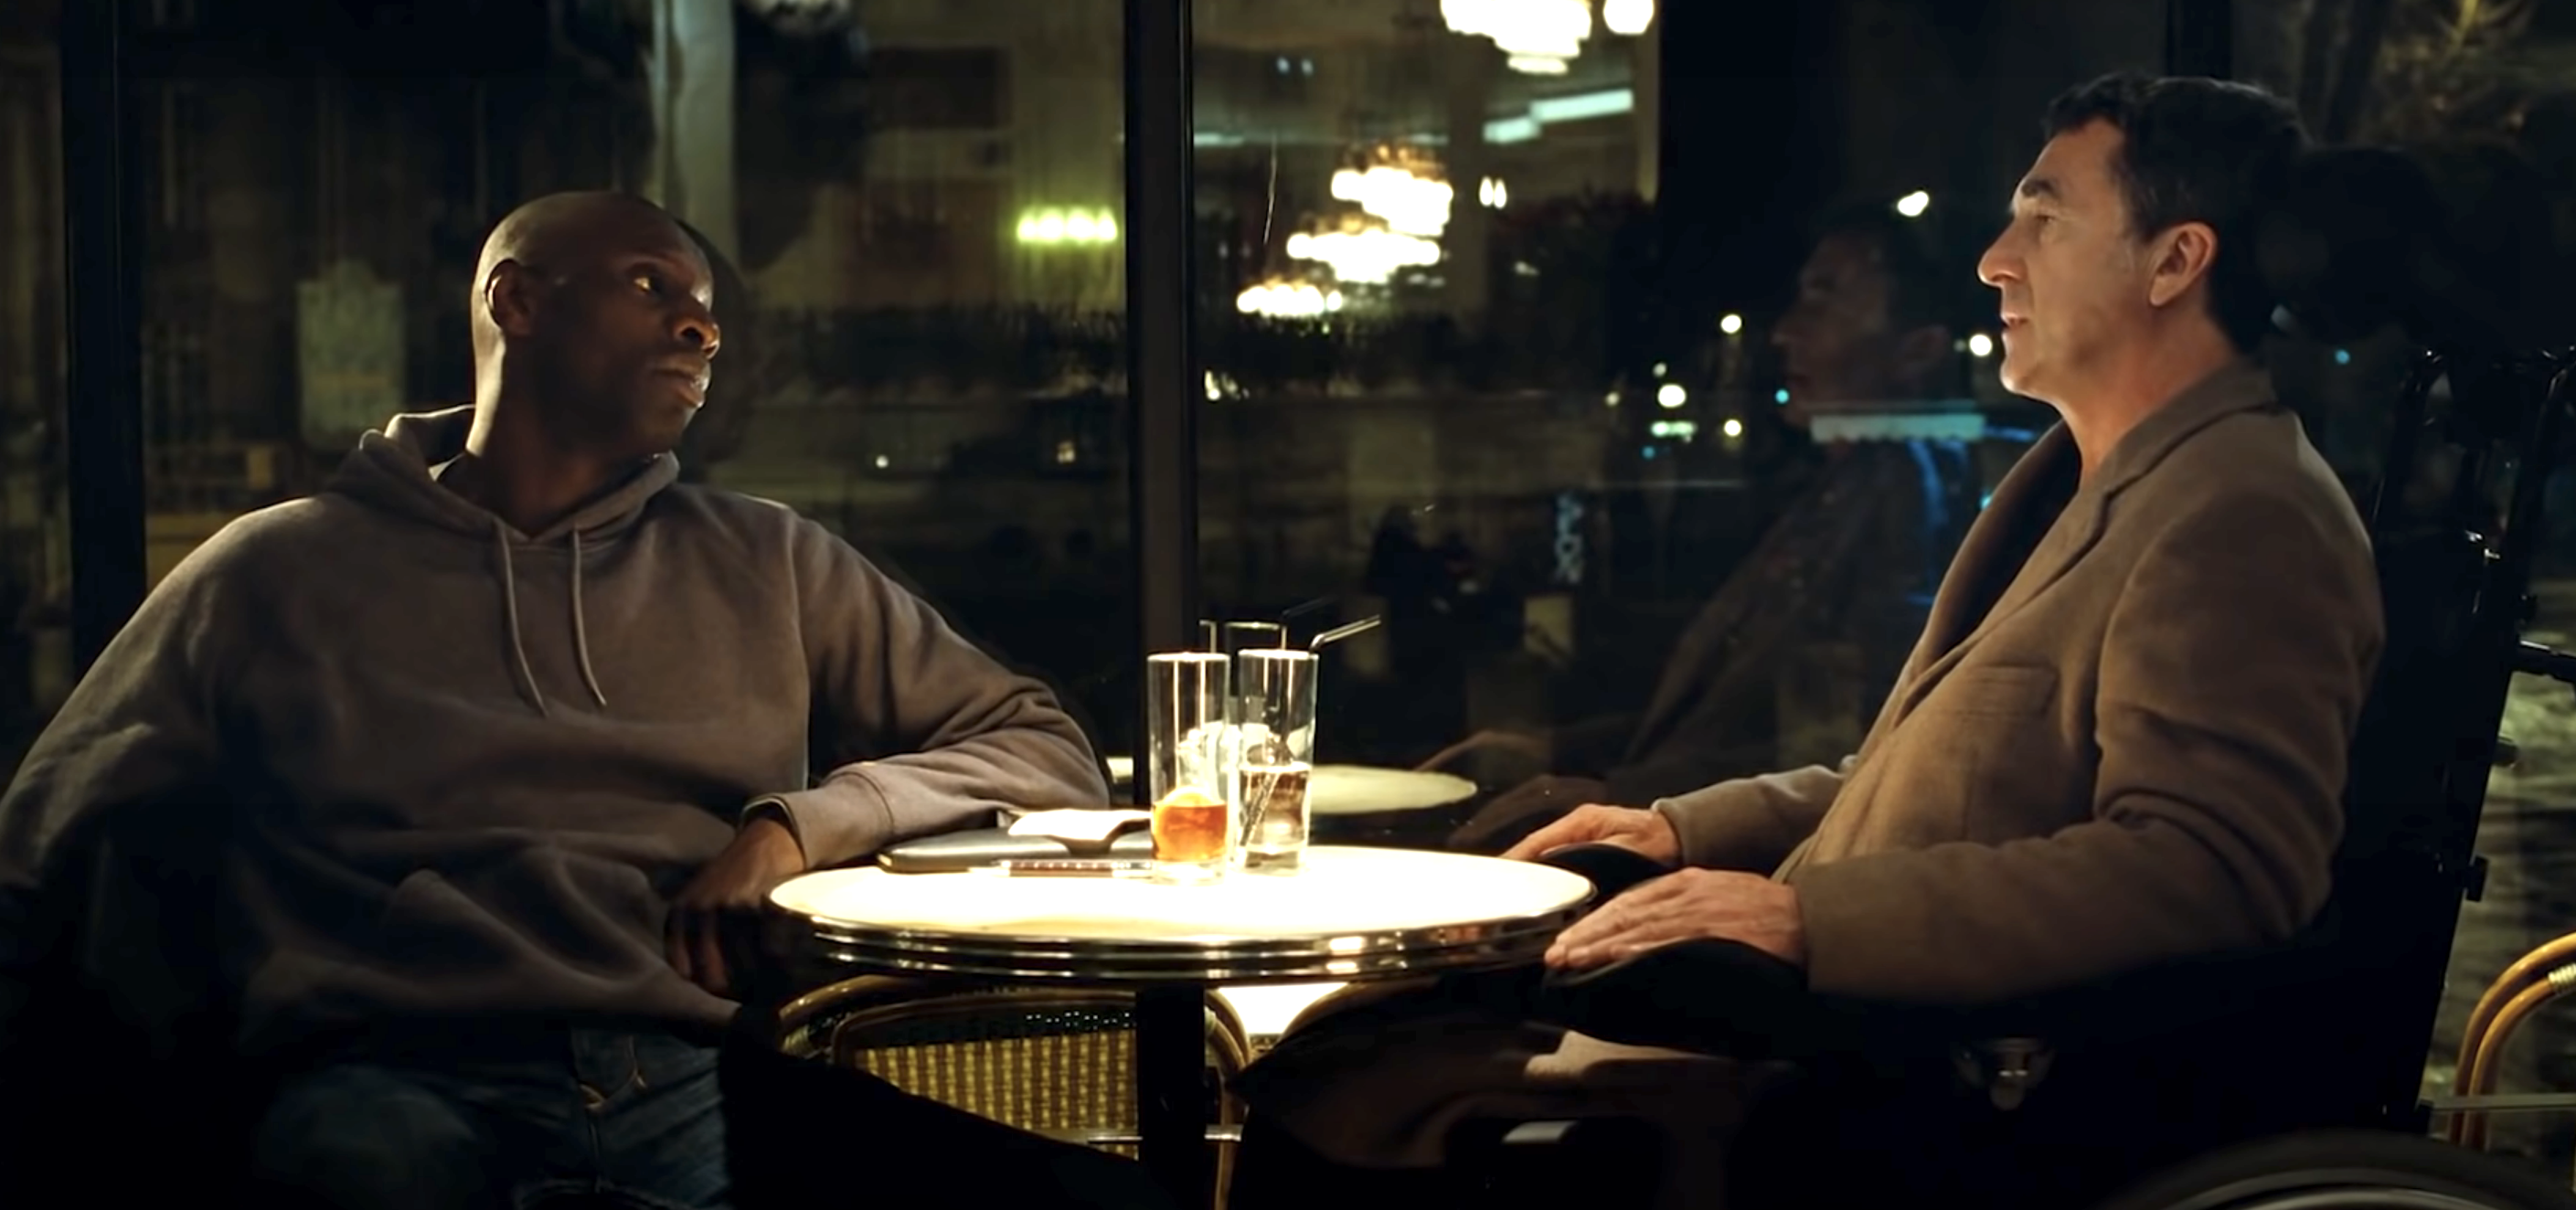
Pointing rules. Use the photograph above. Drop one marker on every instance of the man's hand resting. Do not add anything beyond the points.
(725, 901)
(1643, 832)
(1721, 904)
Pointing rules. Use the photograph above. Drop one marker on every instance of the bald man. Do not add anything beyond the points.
(503, 724)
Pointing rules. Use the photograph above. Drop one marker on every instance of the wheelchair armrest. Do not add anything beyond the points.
(1724, 997)
(1715, 997)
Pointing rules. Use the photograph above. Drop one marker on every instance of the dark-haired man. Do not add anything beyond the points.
(497, 730)
(2122, 740)
(1848, 566)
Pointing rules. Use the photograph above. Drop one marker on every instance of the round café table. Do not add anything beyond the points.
(1351, 915)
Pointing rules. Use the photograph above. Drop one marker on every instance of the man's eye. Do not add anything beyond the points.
(649, 283)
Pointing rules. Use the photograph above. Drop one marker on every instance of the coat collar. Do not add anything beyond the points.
(2240, 386)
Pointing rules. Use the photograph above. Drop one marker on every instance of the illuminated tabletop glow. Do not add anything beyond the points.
(1341, 891)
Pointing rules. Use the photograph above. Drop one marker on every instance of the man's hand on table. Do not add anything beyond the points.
(1644, 832)
(725, 900)
(1725, 905)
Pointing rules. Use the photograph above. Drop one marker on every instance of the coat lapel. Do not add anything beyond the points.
(1990, 545)
(1987, 543)
(1952, 633)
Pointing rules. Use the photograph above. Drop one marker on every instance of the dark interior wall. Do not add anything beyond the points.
(386, 134)
(1752, 108)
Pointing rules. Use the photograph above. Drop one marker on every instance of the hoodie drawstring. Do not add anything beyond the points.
(510, 609)
(518, 645)
(580, 634)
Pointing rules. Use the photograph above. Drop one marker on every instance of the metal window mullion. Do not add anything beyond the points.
(1162, 414)
(102, 414)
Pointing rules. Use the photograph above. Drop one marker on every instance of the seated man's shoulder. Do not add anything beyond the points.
(770, 529)
(264, 539)
(2255, 465)
(740, 515)
(2250, 505)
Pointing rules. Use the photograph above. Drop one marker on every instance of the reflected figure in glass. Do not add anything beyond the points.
(1791, 657)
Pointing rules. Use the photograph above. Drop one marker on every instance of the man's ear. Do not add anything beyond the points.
(510, 297)
(2182, 257)
(1919, 355)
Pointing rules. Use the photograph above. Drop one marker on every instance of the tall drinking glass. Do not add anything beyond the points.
(1276, 692)
(1189, 764)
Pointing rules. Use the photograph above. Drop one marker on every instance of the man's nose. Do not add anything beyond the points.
(1998, 264)
(701, 331)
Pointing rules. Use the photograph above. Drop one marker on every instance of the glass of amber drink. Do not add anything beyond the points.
(1190, 774)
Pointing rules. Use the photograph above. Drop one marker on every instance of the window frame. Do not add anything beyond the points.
(103, 236)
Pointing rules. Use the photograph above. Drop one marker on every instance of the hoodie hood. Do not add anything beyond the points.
(390, 470)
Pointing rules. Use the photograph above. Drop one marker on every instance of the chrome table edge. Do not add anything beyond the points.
(820, 942)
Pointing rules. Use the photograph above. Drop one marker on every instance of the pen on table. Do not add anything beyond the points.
(1073, 867)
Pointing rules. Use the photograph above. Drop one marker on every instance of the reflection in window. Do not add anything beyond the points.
(1634, 520)
(35, 565)
(938, 88)
(1406, 243)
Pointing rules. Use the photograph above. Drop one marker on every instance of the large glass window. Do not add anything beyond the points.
(913, 205)
(1629, 366)
(35, 556)
(1645, 403)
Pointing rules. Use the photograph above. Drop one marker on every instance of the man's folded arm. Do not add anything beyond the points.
(923, 732)
(140, 731)
(2234, 671)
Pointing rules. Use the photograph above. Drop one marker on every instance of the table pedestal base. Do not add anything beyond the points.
(1172, 1105)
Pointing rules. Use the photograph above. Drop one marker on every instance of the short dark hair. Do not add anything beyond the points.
(1920, 292)
(2197, 150)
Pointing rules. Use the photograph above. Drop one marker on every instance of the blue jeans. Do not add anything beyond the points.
(476, 1121)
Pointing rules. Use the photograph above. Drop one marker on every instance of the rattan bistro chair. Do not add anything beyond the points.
(1056, 1062)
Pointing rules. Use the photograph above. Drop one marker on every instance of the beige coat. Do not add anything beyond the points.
(2136, 755)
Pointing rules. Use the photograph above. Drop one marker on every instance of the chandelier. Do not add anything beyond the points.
(1062, 225)
(1279, 299)
(1541, 36)
(1401, 186)
(807, 18)
(1627, 18)
(1536, 36)
(1363, 252)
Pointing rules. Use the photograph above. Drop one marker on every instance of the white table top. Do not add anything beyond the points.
(1358, 789)
(1367, 789)
(1350, 913)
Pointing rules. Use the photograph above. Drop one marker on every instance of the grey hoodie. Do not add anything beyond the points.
(469, 768)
